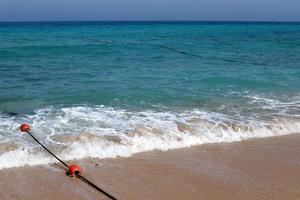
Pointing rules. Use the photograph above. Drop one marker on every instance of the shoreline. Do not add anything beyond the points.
(263, 168)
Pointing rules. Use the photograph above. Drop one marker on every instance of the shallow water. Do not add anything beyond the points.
(114, 89)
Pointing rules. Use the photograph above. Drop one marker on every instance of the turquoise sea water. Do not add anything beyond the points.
(115, 78)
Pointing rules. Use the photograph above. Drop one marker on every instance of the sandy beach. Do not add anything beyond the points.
(266, 168)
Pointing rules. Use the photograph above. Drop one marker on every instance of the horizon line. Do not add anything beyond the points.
(213, 21)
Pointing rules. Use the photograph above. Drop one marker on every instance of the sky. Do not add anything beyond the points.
(203, 10)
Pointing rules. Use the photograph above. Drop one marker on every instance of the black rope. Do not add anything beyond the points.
(167, 47)
(143, 44)
(48, 150)
(76, 173)
(179, 51)
(95, 186)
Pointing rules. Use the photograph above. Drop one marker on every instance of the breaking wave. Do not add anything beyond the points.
(105, 132)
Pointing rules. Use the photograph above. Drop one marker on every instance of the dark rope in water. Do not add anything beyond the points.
(179, 51)
(141, 44)
(48, 150)
(167, 48)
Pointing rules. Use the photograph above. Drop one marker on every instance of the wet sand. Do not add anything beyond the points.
(255, 169)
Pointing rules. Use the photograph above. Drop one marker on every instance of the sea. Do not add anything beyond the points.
(113, 89)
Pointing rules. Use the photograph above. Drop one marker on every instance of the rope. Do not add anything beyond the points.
(179, 51)
(143, 44)
(95, 186)
(48, 150)
(167, 47)
(77, 173)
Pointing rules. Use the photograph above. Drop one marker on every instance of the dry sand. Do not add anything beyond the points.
(255, 169)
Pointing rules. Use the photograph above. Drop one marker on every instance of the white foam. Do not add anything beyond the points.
(135, 132)
(274, 103)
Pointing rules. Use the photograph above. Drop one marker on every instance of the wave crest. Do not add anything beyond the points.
(105, 132)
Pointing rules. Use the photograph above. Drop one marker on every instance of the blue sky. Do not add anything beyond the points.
(241, 10)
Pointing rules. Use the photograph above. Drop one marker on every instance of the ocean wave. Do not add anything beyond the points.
(105, 132)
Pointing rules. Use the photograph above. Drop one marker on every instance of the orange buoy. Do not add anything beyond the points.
(74, 170)
(24, 127)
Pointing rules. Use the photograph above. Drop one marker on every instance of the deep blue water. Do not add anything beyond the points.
(141, 65)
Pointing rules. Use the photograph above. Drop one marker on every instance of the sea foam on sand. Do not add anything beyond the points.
(104, 132)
